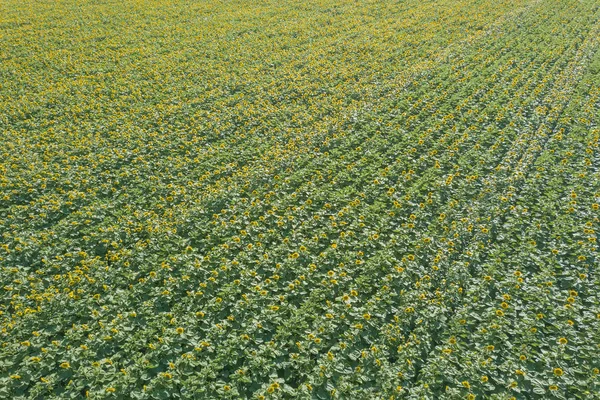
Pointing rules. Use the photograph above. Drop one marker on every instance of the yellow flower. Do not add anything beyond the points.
(558, 372)
(367, 316)
(466, 384)
(111, 389)
(65, 365)
(563, 340)
(179, 330)
(553, 387)
(484, 379)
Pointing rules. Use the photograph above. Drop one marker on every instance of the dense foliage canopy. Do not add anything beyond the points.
(300, 199)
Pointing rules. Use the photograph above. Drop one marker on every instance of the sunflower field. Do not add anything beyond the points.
(283, 199)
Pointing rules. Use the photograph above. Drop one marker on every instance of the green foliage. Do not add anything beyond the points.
(276, 199)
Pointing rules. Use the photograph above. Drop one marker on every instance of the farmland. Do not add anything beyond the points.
(300, 200)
